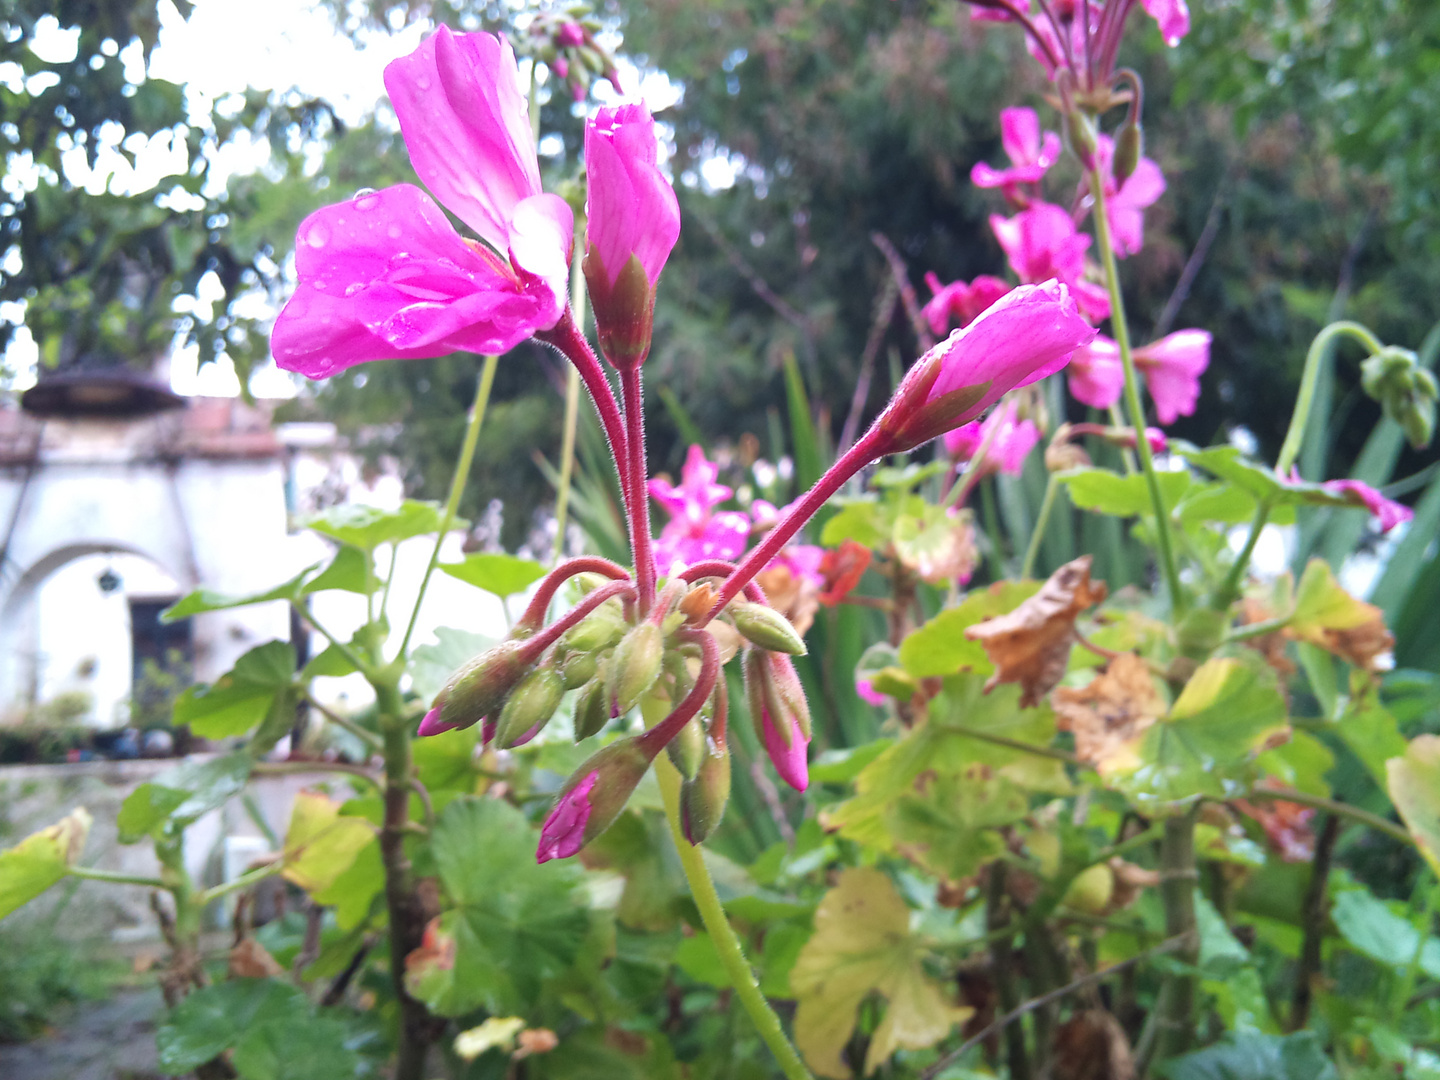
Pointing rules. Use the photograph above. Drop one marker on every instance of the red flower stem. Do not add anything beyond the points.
(632, 392)
(654, 740)
(720, 568)
(1060, 34)
(567, 338)
(871, 446)
(533, 647)
(589, 564)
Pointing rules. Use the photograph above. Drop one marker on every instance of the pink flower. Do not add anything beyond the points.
(1042, 243)
(959, 301)
(802, 560)
(385, 275)
(695, 531)
(779, 713)
(1388, 512)
(1011, 442)
(868, 694)
(1095, 374)
(570, 35)
(631, 208)
(431, 724)
(1173, 366)
(1024, 336)
(1125, 203)
(1030, 154)
(1173, 17)
(563, 833)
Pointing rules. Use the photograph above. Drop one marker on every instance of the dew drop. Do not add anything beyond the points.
(422, 82)
(353, 288)
(318, 236)
(366, 199)
(393, 232)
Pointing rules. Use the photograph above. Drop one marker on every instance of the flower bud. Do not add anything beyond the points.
(703, 796)
(1405, 390)
(578, 669)
(592, 709)
(1129, 149)
(478, 688)
(780, 714)
(592, 798)
(529, 708)
(636, 665)
(1063, 456)
(1079, 132)
(687, 748)
(600, 629)
(762, 625)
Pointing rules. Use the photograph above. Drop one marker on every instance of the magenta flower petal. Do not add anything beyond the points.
(868, 694)
(1125, 204)
(1095, 374)
(1011, 441)
(1388, 512)
(385, 276)
(563, 833)
(789, 761)
(1173, 366)
(541, 235)
(631, 208)
(1042, 243)
(1173, 17)
(432, 725)
(698, 492)
(467, 127)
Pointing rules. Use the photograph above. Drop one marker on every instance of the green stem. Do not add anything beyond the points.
(244, 881)
(572, 408)
(1231, 587)
(1163, 542)
(359, 663)
(1175, 1005)
(92, 874)
(1314, 359)
(727, 945)
(369, 738)
(1014, 744)
(1319, 802)
(457, 487)
(1042, 521)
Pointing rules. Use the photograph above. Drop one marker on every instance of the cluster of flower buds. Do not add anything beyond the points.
(565, 41)
(613, 658)
(1405, 390)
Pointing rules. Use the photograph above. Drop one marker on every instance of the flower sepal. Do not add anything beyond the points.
(624, 311)
(592, 798)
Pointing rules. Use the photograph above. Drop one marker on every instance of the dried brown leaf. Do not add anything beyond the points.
(1109, 715)
(250, 960)
(1091, 1045)
(1031, 645)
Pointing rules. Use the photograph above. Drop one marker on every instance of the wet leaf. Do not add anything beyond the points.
(1415, 789)
(862, 945)
(1031, 645)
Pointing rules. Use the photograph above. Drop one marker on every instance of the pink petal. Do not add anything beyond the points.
(1388, 512)
(385, 276)
(631, 208)
(432, 725)
(869, 694)
(541, 236)
(1020, 135)
(1042, 243)
(467, 127)
(1173, 366)
(563, 833)
(1095, 374)
(1173, 17)
(789, 761)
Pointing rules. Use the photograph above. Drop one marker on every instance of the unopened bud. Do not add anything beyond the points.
(780, 713)
(592, 709)
(687, 747)
(762, 625)
(478, 688)
(703, 796)
(1079, 131)
(1129, 148)
(529, 708)
(592, 799)
(578, 669)
(636, 665)
(624, 312)
(698, 601)
(602, 628)
(1405, 390)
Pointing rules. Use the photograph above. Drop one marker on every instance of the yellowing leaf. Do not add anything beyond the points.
(498, 1032)
(320, 845)
(862, 945)
(1327, 616)
(1415, 790)
(41, 859)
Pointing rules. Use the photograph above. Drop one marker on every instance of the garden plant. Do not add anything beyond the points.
(1030, 826)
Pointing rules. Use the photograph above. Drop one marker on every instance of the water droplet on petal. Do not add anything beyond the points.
(318, 236)
(353, 288)
(393, 232)
(366, 199)
(422, 82)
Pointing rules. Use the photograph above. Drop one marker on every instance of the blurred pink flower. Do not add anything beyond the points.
(1031, 154)
(1095, 374)
(960, 302)
(1042, 243)
(1011, 442)
(802, 560)
(868, 694)
(1125, 203)
(1024, 336)
(563, 833)
(385, 275)
(1387, 512)
(1173, 366)
(695, 531)
(1173, 17)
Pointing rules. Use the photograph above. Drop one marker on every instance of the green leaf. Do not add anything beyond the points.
(242, 697)
(1251, 1055)
(41, 859)
(328, 662)
(146, 809)
(1375, 928)
(864, 521)
(320, 845)
(1301, 763)
(940, 646)
(1371, 734)
(907, 476)
(862, 945)
(367, 527)
(1225, 715)
(1229, 464)
(1321, 604)
(353, 891)
(697, 958)
(517, 922)
(432, 665)
(1107, 492)
(210, 1021)
(945, 823)
(497, 573)
(202, 600)
(838, 766)
(207, 783)
(639, 847)
(349, 571)
(1414, 785)
(297, 1047)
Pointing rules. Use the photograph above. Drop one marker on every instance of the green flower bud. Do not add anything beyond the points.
(636, 665)
(529, 708)
(592, 799)
(578, 669)
(602, 628)
(1406, 391)
(762, 625)
(478, 688)
(1079, 132)
(687, 747)
(1129, 149)
(592, 709)
(703, 796)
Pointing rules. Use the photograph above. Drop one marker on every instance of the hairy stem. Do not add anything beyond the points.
(632, 390)
(572, 409)
(1163, 542)
(534, 616)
